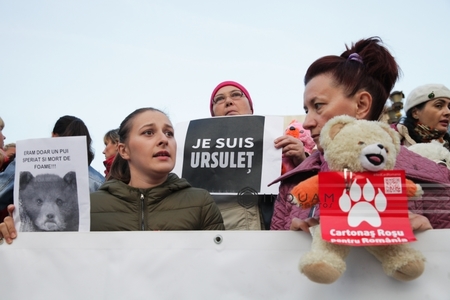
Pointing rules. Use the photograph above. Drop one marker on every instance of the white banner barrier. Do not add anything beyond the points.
(191, 265)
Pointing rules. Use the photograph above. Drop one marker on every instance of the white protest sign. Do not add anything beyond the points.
(202, 265)
(230, 154)
(51, 187)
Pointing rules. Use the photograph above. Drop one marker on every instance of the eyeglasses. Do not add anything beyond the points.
(234, 95)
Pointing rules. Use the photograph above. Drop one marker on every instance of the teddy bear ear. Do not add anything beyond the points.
(71, 178)
(25, 178)
(335, 130)
(334, 125)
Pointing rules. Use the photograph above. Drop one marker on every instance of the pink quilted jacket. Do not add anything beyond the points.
(434, 179)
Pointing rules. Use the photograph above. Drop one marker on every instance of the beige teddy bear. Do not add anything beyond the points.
(357, 146)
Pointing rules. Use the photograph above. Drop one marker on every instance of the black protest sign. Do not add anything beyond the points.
(224, 155)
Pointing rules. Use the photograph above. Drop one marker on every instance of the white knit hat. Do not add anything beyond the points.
(426, 93)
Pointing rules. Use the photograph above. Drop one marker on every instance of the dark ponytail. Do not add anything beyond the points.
(72, 126)
(366, 65)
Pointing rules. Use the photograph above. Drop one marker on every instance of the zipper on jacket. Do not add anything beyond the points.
(142, 213)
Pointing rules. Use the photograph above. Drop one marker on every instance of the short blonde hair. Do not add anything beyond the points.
(112, 135)
(10, 145)
(2, 124)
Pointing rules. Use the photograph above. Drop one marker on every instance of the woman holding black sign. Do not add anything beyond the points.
(230, 98)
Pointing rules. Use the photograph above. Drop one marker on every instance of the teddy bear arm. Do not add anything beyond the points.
(413, 190)
(305, 193)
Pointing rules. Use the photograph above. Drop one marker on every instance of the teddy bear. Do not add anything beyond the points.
(357, 146)
(296, 130)
(434, 151)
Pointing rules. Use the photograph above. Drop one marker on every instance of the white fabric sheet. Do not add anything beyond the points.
(191, 265)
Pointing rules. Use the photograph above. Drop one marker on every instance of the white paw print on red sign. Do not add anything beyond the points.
(362, 204)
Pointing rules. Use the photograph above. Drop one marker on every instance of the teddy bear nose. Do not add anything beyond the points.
(380, 146)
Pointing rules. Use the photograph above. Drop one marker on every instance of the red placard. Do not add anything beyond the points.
(364, 208)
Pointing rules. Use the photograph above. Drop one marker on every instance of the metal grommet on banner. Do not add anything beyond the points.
(218, 239)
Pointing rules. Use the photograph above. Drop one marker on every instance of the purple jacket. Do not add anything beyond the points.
(434, 179)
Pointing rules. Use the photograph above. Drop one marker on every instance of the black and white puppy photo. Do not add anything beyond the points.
(48, 202)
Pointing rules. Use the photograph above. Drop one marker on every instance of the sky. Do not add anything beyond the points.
(101, 60)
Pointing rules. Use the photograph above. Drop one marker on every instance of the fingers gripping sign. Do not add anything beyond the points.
(7, 229)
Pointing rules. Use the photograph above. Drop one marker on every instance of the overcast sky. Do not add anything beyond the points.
(100, 60)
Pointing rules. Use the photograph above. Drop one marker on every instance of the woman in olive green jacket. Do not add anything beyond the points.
(173, 205)
(141, 193)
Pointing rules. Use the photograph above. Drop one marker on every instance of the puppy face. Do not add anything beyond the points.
(50, 202)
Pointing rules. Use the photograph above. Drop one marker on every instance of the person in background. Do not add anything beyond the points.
(427, 116)
(2, 137)
(64, 126)
(111, 140)
(4, 157)
(141, 193)
(357, 83)
(73, 126)
(7, 166)
(10, 150)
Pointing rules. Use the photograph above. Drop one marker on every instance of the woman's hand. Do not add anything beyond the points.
(7, 228)
(292, 148)
(298, 224)
(419, 222)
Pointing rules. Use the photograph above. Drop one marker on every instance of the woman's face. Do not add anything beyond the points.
(110, 148)
(2, 139)
(324, 100)
(434, 114)
(230, 102)
(151, 148)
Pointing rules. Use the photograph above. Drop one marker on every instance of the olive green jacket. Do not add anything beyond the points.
(173, 205)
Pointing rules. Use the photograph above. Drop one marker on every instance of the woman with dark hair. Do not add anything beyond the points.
(427, 116)
(357, 83)
(64, 126)
(73, 126)
(141, 193)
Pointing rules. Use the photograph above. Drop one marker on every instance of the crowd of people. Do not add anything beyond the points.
(142, 193)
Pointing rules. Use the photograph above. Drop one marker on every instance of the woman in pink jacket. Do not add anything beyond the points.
(358, 83)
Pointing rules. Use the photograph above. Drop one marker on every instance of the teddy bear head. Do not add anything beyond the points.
(359, 145)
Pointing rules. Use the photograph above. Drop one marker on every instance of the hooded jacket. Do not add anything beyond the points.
(173, 205)
(434, 179)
